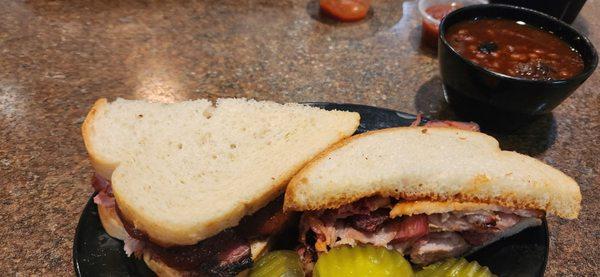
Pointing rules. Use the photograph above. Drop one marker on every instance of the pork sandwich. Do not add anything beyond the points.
(429, 193)
(194, 188)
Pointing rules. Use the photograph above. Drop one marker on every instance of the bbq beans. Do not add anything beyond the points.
(515, 49)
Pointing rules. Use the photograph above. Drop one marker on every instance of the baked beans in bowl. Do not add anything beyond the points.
(504, 65)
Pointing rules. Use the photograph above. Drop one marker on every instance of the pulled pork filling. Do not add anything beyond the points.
(224, 254)
(425, 238)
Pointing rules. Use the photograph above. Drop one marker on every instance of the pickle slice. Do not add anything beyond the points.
(282, 263)
(455, 268)
(362, 261)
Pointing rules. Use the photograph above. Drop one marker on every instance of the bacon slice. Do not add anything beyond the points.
(412, 227)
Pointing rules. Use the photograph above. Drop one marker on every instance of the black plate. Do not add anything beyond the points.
(97, 254)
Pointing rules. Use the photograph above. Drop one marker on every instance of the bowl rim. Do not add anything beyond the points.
(583, 75)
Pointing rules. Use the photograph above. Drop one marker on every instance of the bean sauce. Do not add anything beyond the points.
(515, 49)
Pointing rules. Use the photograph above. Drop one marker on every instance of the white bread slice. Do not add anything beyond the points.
(183, 172)
(440, 164)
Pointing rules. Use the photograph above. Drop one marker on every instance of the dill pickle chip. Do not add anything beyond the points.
(282, 263)
(362, 261)
(469, 270)
(455, 268)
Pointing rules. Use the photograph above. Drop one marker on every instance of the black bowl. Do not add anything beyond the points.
(498, 101)
(565, 10)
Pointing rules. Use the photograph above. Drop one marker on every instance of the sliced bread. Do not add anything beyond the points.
(183, 172)
(439, 164)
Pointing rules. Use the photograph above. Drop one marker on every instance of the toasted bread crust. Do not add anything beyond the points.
(101, 165)
(296, 197)
(111, 222)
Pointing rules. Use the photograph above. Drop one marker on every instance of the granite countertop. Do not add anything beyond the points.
(57, 57)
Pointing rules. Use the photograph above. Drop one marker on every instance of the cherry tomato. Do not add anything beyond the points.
(346, 10)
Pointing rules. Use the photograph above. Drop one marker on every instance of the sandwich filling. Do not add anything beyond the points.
(225, 254)
(448, 230)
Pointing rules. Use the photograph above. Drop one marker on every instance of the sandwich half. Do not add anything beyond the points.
(194, 187)
(427, 192)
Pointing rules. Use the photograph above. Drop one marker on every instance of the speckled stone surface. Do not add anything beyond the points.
(57, 57)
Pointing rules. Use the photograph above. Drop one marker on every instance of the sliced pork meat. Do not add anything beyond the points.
(426, 238)
(133, 246)
(528, 213)
(331, 232)
(448, 222)
(437, 246)
(478, 238)
(347, 235)
(224, 254)
(363, 206)
(104, 196)
(506, 220)
(479, 221)
(99, 183)
(369, 222)
(482, 220)
(104, 199)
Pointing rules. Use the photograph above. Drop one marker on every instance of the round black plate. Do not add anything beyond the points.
(97, 254)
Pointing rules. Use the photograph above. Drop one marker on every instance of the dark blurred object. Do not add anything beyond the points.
(502, 102)
(565, 10)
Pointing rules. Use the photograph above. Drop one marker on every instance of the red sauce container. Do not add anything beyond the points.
(432, 12)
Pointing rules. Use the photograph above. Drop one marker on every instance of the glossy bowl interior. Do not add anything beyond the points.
(499, 101)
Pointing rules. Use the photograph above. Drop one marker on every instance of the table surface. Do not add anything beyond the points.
(57, 57)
